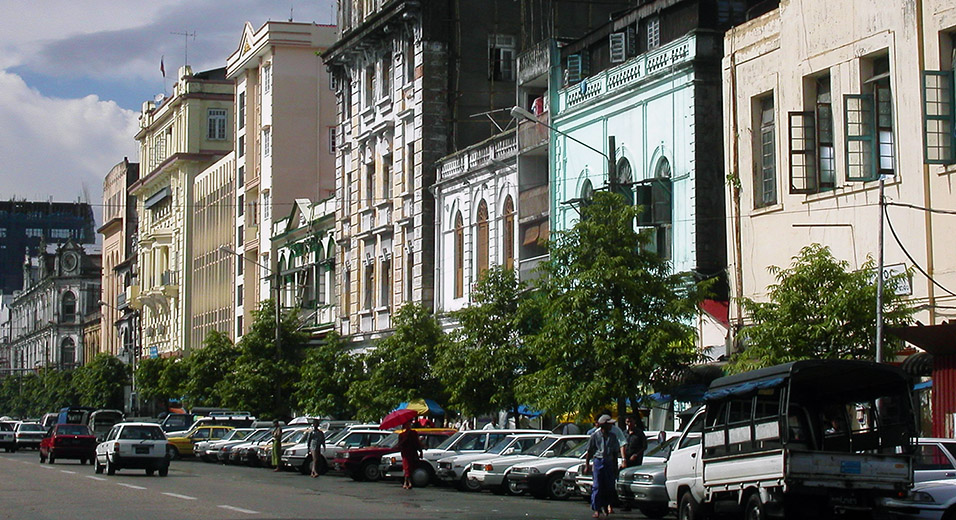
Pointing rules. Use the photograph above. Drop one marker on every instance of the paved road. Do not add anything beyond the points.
(199, 491)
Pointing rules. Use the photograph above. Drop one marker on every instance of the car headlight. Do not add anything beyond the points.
(643, 478)
(921, 496)
(489, 467)
(533, 471)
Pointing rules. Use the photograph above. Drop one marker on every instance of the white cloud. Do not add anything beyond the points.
(59, 147)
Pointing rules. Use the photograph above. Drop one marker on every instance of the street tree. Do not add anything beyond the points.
(483, 358)
(818, 309)
(207, 368)
(399, 368)
(325, 376)
(615, 314)
(100, 382)
(263, 377)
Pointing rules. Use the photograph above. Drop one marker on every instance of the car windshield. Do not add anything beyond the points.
(538, 449)
(577, 450)
(6, 427)
(142, 433)
(661, 450)
(337, 436)
(389, 441)
(236, 435)
(31, 427)
(449, 441)
(72, 429)
(293, 436)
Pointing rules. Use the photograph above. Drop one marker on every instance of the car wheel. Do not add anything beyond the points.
(150, 472)
(555, 488)
(370, 471)
(950, 514)
(110, 467)
(654, 511)
(306, 467)
(164, 470)
(97, 467)
(688, 509)
(172, 453)
(421, 477)
(466, 484)
(754, 508)
(512, 487)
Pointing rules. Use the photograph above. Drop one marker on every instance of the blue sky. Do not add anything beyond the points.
(73, 76)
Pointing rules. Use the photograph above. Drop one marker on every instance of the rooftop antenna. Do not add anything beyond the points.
(291, 10)
(185, 35)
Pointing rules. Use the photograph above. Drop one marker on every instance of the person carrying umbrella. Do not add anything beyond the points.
(410, 445)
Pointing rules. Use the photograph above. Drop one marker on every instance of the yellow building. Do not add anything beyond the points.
(180, 136)
(119, 226)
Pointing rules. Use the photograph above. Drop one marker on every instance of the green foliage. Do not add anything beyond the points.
(173, 377)
(325, 377)
(400, 367)
(207, 368)
(818, 309)
(262, 379)
(148, 374)
(615, 315)
(483, 359)
(100, 382)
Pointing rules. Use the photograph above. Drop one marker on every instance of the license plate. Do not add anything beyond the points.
(142, 450)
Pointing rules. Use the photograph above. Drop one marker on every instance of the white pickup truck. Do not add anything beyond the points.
(800, 440)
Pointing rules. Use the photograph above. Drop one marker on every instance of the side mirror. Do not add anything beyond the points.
(549, 453)
(508, 451)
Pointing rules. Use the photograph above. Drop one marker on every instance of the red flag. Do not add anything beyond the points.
(162, 66)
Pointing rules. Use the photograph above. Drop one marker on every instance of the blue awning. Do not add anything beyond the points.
(924, 385)
(524, 410)
(157, 197)
(742, 388)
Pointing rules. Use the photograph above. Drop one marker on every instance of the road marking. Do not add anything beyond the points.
(67, 471)
(129, 486)
(240, 510)
(101, 479)
(184, 497)
(46, 467)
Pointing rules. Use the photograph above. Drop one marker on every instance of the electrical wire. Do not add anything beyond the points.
(909, 256)
(921, 208)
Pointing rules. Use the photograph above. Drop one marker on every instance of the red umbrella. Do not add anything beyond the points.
(397, 418)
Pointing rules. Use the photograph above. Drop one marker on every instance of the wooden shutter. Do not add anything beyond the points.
(859, 119)
(804, 177)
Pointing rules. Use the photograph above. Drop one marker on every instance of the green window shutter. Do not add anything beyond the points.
(803, 153)
(859, 119)
(574, 68)
(644, 198)
(618, 47)
(939, 142)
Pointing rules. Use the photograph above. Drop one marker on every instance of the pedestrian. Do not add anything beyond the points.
(635, 445)
(493, 425)
(604, 449)
(316, 446)
(410, 446)
(276, 443)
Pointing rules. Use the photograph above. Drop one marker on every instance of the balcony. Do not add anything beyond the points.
(499, 148)
(528, 268)
(169, 280)
(121, 301)
(532, 135)
(533, 203)
(533, 64)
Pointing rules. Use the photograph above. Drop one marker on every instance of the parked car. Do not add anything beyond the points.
(290, 437)
(492, 474)
(229, 448)
(183, 446)
(349, 440)
(49, 420)
(365, 463)
(133, 445)
(101, 421)
(928, 500)
(8, 436)
(545, 478)
(28, 435)
(469, 441)
(208, 449)
(454, 469)
(297, 456)
(578, 483)
(68, 441)
(935, 459)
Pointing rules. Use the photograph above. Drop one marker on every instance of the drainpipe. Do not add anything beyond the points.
(927, 178)
(734, 179)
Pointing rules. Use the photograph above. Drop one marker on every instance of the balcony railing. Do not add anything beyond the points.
(533, 202)
(498, 148)
(121, 300)
(535, 62)
(169, 278)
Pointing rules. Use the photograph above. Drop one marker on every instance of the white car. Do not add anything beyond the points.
(454, 469)
(133, 445)
(29, 435)
(932, 499)
(208, 451)
(544, 478)
(8, 437)
(935, 459)
(493, 473)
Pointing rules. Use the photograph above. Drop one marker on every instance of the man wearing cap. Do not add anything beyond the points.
(604, 448)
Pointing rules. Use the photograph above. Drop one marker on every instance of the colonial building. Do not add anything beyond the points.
(819, 109)
(416, 80)
(305, 248)
(285, 141)
(639, 113)
(25, 224)
(180, 136)
(61, 287)
(119, 232)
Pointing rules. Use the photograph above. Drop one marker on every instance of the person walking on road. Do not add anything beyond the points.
(604, 449)
(316, 445)
(276, 443)
(410, 446)
(635, 445)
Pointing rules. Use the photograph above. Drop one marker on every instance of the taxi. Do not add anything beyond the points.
(184, 446)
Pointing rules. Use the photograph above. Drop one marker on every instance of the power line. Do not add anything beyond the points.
(910, 257)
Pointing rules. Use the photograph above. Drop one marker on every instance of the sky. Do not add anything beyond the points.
(74, 76)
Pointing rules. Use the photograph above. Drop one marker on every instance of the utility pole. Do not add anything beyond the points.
(879, 279)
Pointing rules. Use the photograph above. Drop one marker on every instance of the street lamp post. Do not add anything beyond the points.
(131, 352)
(276, 289)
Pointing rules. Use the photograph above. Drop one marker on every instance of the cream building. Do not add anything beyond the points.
(213, 268)
(119, 224)
(179, 137)
(285, 141)
(819, 106)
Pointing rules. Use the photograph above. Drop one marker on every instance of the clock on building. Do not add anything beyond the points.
(70, 262)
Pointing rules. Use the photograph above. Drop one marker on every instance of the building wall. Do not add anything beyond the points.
(115, 232)
(781, 54)
(213, 287)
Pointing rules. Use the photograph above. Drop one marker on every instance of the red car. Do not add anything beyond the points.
(363, 463)
(68, 441)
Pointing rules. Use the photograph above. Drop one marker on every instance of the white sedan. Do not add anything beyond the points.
(133, 446)
(933, 499)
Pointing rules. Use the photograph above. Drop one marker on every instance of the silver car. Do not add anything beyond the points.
(493, 473)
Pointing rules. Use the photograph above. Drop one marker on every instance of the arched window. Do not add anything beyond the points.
(482, 220)
(67, 353)
(587, 190)
(623, 183)
(459, 256)
(508, 234)
(68, 307)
